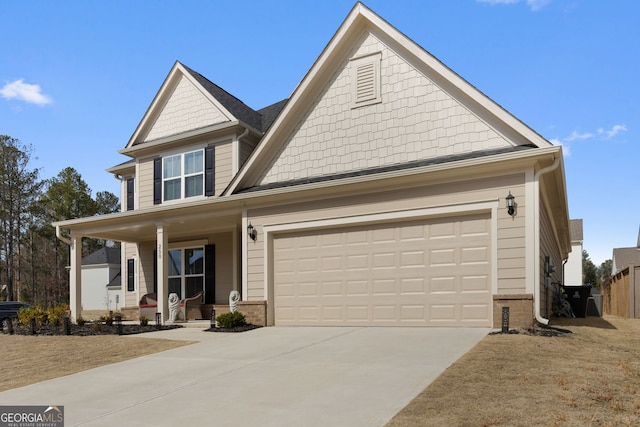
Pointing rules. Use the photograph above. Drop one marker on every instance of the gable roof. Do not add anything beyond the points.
(208, 97)
(360, 21)
(237, 108)
(623, 257)
(228, 108)
(575, 230)
(105, 255)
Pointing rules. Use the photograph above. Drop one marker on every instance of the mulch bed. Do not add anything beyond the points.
(88, 329)
(536, 331)
(236, 329)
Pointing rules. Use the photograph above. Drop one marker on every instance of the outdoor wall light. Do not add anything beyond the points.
(511, 204)
(253, 234)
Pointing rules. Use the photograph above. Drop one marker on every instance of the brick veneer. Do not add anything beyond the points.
(254, 311)
(520, 310)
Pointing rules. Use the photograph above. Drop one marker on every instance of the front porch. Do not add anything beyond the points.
(184, 250)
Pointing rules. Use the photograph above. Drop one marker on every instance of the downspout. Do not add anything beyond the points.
(236, 159)
(536, 284)
(61, 237)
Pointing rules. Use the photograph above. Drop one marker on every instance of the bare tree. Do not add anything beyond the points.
(19, 188)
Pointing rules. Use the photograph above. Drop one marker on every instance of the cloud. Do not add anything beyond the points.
(534, 5)
(25, 92)
(578, 136)
(616, 129)
(498, 1)
(602, 135)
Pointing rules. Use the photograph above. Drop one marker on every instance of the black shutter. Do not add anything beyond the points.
(209, 177)
(155, 272)
(131, 283)
(210, 274)
(130, 187)
(157, 181)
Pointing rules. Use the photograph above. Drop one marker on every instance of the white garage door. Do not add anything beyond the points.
(426, 273)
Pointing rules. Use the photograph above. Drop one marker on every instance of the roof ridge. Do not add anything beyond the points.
(235, 105)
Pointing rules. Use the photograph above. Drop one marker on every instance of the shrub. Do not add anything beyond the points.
(231, 320)
(57, 313)
(26, 314)
(108, 319)
(144, 321)
(80, 321)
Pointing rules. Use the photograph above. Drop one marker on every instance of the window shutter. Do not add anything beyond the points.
(157, 181)
(131, 283)
(209, 178)
(130, 188)
(210, 274)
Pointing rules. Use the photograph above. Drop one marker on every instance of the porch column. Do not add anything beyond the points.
(75, 276)
(162, 240)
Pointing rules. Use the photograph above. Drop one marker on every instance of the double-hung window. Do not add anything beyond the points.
(185, 175)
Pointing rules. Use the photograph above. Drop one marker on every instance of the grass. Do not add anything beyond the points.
(31, 359)
(588, 378)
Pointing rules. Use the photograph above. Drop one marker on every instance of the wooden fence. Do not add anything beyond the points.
(621, 293)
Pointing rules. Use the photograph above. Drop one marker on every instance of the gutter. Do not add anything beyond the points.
(536, 284)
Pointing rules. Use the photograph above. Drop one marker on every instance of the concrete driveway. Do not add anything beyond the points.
(277, 376)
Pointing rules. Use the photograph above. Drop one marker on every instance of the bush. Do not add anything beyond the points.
(107, 320)
(231, 320)
(144, 321)
(80, 321)
(57, 313)
(26, 314)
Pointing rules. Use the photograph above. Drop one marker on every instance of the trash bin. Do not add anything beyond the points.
(594, 306)
(578, 297)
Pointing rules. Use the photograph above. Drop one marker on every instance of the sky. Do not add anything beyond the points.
(76, 77)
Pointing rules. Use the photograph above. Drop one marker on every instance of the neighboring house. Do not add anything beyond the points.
(375, 195)
(101, 281)
(573, 267)
(624, 257)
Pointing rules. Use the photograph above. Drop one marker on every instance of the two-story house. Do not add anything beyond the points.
(386, 190)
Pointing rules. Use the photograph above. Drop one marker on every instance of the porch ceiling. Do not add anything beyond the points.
(139, 228)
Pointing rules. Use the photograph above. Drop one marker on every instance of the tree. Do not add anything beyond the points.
(106, 203)
(589, 271)
(605, 270)
(68, 196)
(19, 189)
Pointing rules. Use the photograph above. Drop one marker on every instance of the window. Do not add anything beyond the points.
(182, 175)
(185, 175)
(365, 73)
(186, 271)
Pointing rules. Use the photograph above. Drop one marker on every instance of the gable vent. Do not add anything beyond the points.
(365, 83)
(366, 80)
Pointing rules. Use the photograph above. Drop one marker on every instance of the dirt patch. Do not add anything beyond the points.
(30, 359)
(588, 377)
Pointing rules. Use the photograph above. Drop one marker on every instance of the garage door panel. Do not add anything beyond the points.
(412, 273)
